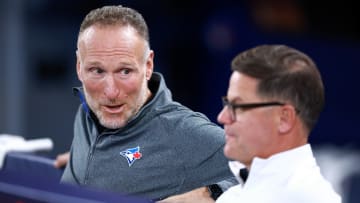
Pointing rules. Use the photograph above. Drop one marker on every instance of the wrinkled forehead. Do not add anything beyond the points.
(112, 38)
(102, 41)
(101, 34)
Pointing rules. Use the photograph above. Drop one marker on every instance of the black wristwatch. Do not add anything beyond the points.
(215, 191)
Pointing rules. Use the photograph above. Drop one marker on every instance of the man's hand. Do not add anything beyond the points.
(200, 195)
(61, 160)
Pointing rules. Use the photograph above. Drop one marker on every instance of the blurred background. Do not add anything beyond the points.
(194, 42)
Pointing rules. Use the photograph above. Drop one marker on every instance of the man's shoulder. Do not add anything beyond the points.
(184, 117)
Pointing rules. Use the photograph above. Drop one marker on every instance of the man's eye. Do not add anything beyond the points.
(99, 71)
(125, 71)
(96, 70)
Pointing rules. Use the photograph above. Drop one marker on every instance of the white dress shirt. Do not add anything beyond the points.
(287, 177)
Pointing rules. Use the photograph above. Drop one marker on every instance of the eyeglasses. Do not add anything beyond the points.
(243, 107)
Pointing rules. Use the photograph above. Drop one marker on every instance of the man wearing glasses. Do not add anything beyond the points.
(274, 99)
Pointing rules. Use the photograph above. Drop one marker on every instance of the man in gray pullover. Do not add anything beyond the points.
(129, 135)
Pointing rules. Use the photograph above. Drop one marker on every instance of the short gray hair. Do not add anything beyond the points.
(116, 15)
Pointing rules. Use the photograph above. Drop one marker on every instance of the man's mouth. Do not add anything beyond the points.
(113, 108)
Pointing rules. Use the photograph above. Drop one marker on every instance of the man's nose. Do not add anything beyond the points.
(224, 117)
(111, 90)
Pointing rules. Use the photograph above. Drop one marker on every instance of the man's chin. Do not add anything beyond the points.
(228, 152)
(112, 123)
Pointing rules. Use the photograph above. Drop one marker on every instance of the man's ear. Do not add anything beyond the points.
(287, 118)
(78, 66)
(149, 65)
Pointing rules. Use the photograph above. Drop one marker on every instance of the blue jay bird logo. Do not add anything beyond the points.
(131, 155)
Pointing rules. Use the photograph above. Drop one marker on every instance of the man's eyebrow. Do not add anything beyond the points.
(235, 99)
(96, 63)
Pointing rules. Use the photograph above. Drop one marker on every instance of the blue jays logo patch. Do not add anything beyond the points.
(131, 155)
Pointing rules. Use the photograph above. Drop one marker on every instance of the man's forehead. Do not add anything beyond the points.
(241, 86)
(110, 37)
(122, 30)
